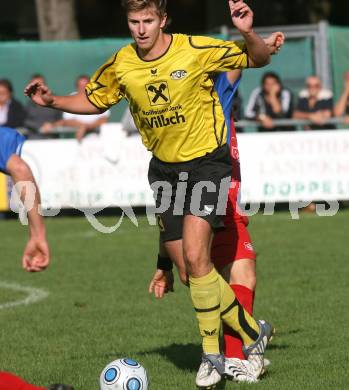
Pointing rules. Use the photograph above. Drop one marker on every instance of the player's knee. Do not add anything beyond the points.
(248, 280)
(191, 256)
(195, 259)
(244, 273)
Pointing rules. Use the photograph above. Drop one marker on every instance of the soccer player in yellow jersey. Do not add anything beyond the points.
(168, 82)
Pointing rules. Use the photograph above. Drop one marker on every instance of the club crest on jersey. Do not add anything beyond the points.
(179, 74)
(158, 93)
(154, 72)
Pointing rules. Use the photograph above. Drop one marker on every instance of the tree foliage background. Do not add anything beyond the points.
(56, 19)
(69, 19)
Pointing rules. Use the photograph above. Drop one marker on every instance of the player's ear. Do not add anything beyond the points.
(163, 21)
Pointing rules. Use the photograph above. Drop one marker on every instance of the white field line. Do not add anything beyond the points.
(33, 295)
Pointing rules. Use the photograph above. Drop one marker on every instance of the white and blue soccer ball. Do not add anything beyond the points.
(124, 374)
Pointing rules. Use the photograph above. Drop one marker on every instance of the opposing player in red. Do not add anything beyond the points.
(12, 382)
(232, 250)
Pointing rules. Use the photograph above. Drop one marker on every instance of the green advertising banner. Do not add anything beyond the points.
(61, 63)
(339, 45)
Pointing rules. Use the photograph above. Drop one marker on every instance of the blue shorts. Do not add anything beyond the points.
(11, 143)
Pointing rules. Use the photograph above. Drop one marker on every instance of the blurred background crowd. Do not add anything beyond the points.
(270, 107)
(307, 88)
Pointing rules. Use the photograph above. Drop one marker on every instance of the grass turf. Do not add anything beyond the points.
(98, 308)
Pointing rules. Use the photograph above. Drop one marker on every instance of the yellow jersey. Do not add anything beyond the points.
(172, 98)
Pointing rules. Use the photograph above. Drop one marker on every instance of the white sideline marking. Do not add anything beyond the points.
(34, 295)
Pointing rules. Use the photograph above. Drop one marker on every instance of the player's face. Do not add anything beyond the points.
(145, 27)
(5, 95)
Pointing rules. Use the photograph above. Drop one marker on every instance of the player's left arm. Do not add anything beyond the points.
(36, 256)
(274, 43)
(242, 18)
(216, 55)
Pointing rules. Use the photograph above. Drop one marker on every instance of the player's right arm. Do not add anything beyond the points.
(242, 18)
(76, 104)
(101, 93)
(162, 282)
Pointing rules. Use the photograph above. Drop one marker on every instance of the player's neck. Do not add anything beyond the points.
(160, 47)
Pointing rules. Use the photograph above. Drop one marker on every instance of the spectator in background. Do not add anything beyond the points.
(271, 101)
(83, 124)
(37, 116)
(315, 104)
(342, 106)
(12, 113)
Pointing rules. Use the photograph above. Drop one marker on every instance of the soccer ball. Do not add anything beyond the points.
(123, 374)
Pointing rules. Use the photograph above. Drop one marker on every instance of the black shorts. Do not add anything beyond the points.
(198, 187)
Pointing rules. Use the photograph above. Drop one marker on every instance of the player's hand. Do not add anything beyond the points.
(241, 15)
(36, 256)
(39, 93)
(161, 283)
(275, 41)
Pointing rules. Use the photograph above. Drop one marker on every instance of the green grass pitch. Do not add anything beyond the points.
(98, 308)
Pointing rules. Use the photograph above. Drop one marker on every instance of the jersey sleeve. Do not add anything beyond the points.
(216, 55)
(11, 143)
(103, 90)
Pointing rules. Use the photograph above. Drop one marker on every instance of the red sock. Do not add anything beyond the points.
(232, 341)
(12, 382)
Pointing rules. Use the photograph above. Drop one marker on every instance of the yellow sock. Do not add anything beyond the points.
(235, 316)
(205, 294)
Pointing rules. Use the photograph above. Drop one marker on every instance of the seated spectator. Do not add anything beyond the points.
(315, 104)
(271, 101)
(12, 113)
(37, 116)
(83, 124)
(342, 106)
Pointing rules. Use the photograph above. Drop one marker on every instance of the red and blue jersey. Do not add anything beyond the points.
(226, 92)
(11, 142)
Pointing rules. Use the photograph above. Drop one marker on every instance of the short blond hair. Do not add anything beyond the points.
(139, 5)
